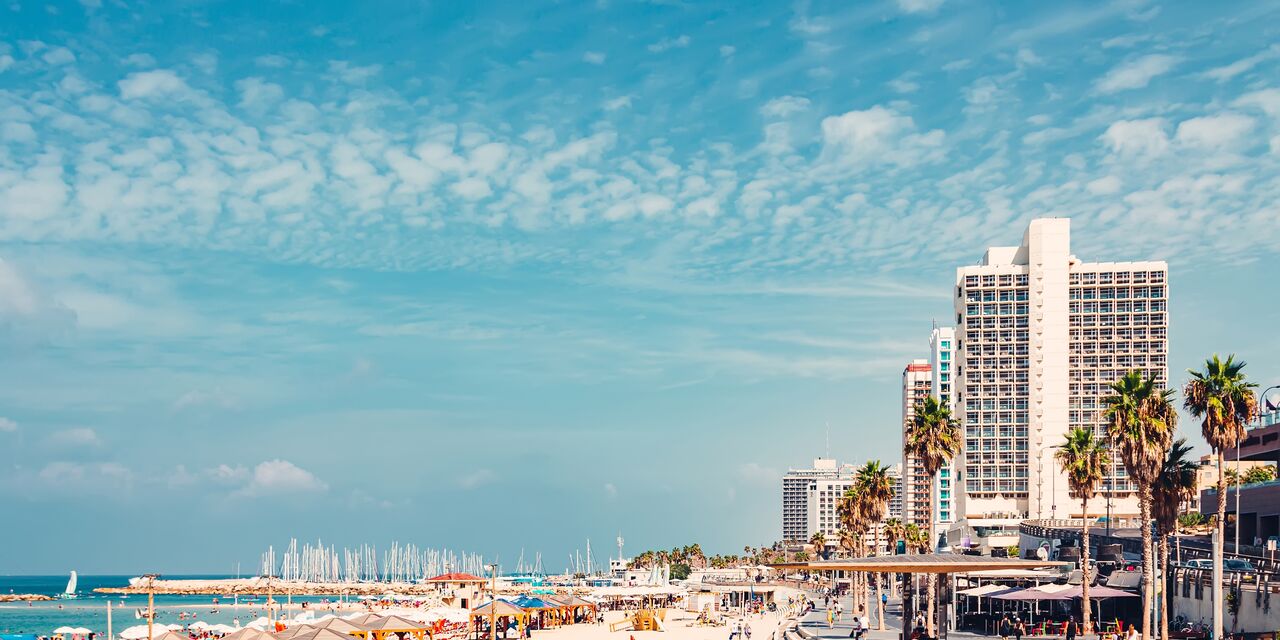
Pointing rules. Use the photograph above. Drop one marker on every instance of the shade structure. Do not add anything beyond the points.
(246, 633)
(530, 602)
(986, 590)
(137, 632)
(321, 634)
(171, 635)
(336, 624)
(362, 618)
(497, 608)
(63, 629)
(1042, 592)
(221, 628)
(1101, 592)
(920, 563)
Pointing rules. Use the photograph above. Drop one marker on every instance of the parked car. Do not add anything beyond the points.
(1198, 563)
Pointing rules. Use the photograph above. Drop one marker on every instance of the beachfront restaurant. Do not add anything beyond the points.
(1044, 607)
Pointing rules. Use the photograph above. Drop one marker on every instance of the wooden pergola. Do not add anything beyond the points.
(495, 611)
(392, 626)
(940, 564)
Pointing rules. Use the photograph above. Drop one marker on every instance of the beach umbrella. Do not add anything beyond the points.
(222, 628)
(199, 624)
(81, 631)
(64, 630)
(135, 632)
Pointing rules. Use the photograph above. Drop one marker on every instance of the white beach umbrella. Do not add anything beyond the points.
(199, 624)
(136, 632)
(81, 631)
(64, 630)
(221, 628)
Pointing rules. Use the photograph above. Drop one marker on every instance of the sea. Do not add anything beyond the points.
(89, 609)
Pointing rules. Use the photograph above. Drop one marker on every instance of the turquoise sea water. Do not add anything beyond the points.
(90, 609)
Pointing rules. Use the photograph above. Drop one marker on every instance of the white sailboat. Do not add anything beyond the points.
(70, 592)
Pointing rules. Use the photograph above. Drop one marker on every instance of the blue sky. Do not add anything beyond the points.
(493, 275)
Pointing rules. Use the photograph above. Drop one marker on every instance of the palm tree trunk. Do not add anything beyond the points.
(879, 579)
(1084, 566)
(1148, 563)
(1219, 544)
(1164, 587)
(930, 627)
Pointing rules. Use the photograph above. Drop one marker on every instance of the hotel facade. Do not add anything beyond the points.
(1039, 337)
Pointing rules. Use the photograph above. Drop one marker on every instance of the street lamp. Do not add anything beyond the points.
(151, 601)
(493, 601)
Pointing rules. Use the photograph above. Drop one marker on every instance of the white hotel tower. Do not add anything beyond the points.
(1041, 335)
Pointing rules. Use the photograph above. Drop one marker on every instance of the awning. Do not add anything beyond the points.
(1125, 579)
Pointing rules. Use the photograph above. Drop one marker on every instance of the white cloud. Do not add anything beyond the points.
(621, 102)
(256, 93)
(876, 135)
(904, 84)
(610, 490)
(653, 204)
(1266, 100)
(666, 44)
(140, 60)
(919, 6)
(6, 61)
(196, 398)
(280, 477)
(1220, 131)
(147, 84)
(477, 478)
(7, 425)
(1141, 137)
(471, 189)
(1106, 185)
(727, 51)
(1227, 72)
(1136, 73)
(593, 57)
(74, 438)
(59, 56)
(784, 106)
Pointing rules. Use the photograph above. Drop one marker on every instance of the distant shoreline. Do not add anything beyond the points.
(262, 587)
(24, 597)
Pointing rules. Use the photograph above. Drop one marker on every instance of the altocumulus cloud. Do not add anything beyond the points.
(281, 477)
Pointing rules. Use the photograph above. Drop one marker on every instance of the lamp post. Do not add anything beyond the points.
(151, 602)
(493, 601)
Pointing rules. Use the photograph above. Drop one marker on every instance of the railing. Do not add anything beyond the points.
(1183, 548)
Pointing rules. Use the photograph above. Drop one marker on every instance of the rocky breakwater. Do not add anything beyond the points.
(24, 597)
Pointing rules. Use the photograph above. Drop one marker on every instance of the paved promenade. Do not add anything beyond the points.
(814, 624)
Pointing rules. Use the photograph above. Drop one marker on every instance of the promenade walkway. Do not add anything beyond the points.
(814, 624)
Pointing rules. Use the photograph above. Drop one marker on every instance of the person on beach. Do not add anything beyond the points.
(1019, 628)
(1006, 628)
(1071, 629)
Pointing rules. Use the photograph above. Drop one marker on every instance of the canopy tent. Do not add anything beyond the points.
(530, 602)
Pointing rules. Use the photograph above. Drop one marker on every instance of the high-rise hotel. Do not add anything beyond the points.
(1040, 335)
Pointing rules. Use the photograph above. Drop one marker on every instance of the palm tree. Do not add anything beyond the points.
(1175, 485)
(1141, 422)
(932, 438)
(1222, 399)
(876, 488)
(819, 542)
(1085, 460)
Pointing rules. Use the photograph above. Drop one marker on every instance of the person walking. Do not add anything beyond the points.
(1019, 628)
(1070, 631)
(1006, 628)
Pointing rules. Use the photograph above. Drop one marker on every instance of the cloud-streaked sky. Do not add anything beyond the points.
(515, 274)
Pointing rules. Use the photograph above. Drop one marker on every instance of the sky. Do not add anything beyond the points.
(503, 275)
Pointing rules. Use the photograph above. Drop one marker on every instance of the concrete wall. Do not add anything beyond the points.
(1253, 619)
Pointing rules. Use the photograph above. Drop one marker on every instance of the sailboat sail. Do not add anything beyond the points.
(71, 585)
